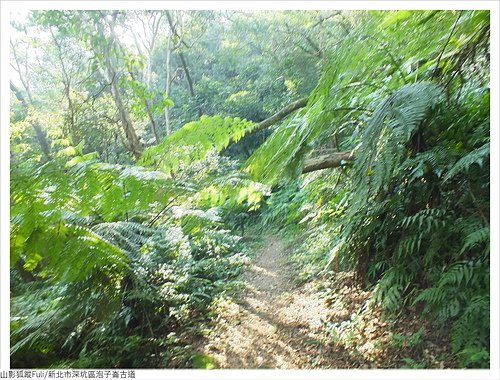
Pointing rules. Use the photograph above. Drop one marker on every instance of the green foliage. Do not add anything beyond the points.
(477, 156)
(277, 158)
(393, 122)
(107, 281)
(411, 363)
(411, 215)
(55, 208)
(194, 141)
(284, 207)
(116, 265)
(425, 229)
(203, 361)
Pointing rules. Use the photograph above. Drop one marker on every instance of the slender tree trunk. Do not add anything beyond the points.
(148, 73)
(147, 106)
(190, 82)
(167, 88)
(152, 120)
(72, 118)
(188, 75)
(40, 134)
(106, 50)
(67, 92)
(184, 64)
(134, 145)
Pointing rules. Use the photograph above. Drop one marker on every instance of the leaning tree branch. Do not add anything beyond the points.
(331, 160)
(280, 114)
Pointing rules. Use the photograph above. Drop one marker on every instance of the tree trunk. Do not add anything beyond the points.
(66, 79)
(147, 106)
(134, 145)
(40, 134)
(106, 49)
(167, 88)
(152, 120)
(189, 79)
(331, 160)
(190, 82)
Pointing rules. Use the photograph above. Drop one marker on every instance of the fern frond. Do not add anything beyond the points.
(480, 236)
(390, 288)
(477, 156)
(394, 121)
(468, 335)
(194, 142)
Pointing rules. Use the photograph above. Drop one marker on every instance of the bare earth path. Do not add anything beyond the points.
(273, 324)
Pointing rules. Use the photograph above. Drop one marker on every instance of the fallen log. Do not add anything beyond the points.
(332, 160)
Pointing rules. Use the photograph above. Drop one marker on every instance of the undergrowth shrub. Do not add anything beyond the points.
(95, 285)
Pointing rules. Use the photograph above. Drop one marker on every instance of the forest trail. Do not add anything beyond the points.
(273, 324)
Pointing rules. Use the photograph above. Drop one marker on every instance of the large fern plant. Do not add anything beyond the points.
(411, 215)
(107, 259)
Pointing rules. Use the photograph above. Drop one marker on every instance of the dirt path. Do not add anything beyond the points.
(273, 324)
